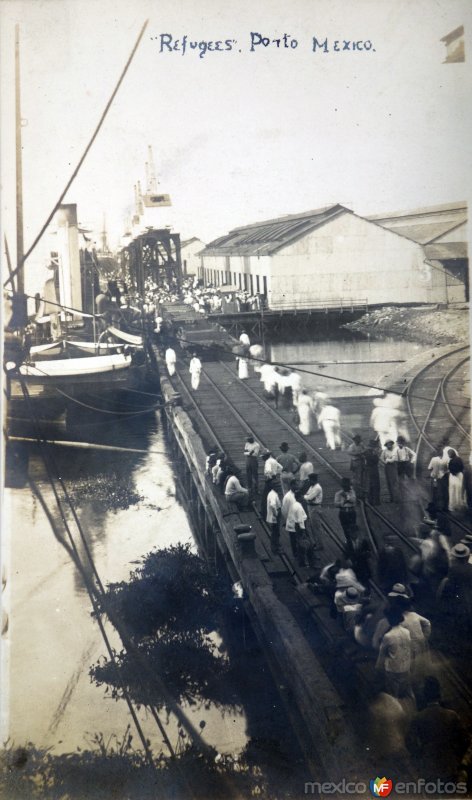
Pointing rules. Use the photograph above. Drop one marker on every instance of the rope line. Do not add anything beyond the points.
(82, 158)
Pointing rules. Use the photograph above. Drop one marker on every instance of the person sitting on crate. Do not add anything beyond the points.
(234, 491)
(349, 606)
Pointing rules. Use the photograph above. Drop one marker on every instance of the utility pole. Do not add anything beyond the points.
(19, 170)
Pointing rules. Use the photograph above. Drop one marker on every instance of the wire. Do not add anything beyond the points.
(323, 375)
(126, 639)
(126, 414)
(294, 367)
(73, 552)
(92, 592)
(82, 159)
(95, 408)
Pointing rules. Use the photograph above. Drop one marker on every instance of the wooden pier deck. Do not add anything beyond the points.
(223, 411)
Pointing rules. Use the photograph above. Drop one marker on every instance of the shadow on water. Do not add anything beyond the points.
(270, 740)
(109, 490)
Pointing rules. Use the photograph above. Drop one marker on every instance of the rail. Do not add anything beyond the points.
(333, 535)
(321, 460)
(422, 435)
(339, 304)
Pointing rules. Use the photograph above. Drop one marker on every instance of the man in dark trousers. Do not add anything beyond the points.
(346, 501)
(290, 465)
(372, 458)
(251, 451)
(436, 737)
(274, 507)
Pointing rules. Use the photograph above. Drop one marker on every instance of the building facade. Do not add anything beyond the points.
(189, 252)
(442, 232)
(330, 257)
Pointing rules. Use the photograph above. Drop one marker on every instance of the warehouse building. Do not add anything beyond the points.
(442, 231)
(327, 257)
(189, 254)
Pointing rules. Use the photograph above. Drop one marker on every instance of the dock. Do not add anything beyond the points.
(219, 415)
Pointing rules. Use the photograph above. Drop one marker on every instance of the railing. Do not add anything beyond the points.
(322, 305)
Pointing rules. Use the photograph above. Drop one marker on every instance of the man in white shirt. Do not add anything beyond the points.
(288, 499)
(171, 358)
(273, 517)
(272, 468)
(406, 459)
(295, 525)
(195, 370)
(330, 420)
(251, 451)
(438, 470)
(234, 491)
(295, 381)
(306, 468)
(314, 498)
(345, 499)
(244, 339)
(290, 465)
(389, 457)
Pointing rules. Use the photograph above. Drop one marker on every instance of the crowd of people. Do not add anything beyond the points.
(204, 299)
(393, 629)
(388, 628)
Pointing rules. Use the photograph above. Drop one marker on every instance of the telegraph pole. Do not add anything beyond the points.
(19, 170)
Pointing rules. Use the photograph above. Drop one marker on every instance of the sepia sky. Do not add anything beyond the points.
(237, 136)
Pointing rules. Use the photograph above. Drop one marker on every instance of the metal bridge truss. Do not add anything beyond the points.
(156, 255)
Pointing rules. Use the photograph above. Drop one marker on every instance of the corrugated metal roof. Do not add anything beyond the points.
(424, 225)
(189, 241)
(446, 250)
(266, 237)
(413, 212)
(422, 232)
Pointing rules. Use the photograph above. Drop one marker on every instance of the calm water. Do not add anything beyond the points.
(52, 639)
(320, 361)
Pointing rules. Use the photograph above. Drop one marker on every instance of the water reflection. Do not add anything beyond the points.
(54, 641)
(352, 361)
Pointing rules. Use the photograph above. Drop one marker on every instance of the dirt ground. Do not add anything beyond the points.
(430, 325)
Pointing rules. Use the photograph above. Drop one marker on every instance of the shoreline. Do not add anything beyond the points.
(431, 325)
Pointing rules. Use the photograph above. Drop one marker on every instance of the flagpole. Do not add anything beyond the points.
(19, 170)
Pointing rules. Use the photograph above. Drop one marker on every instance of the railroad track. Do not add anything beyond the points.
(216, 427)
(233, 392)
(433, 416)
(332, 471)
(436, 420)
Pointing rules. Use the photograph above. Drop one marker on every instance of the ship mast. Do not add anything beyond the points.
(19, 171)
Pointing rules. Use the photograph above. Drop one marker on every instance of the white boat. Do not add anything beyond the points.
(100, 348)
(46, 350)
(74, 367)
